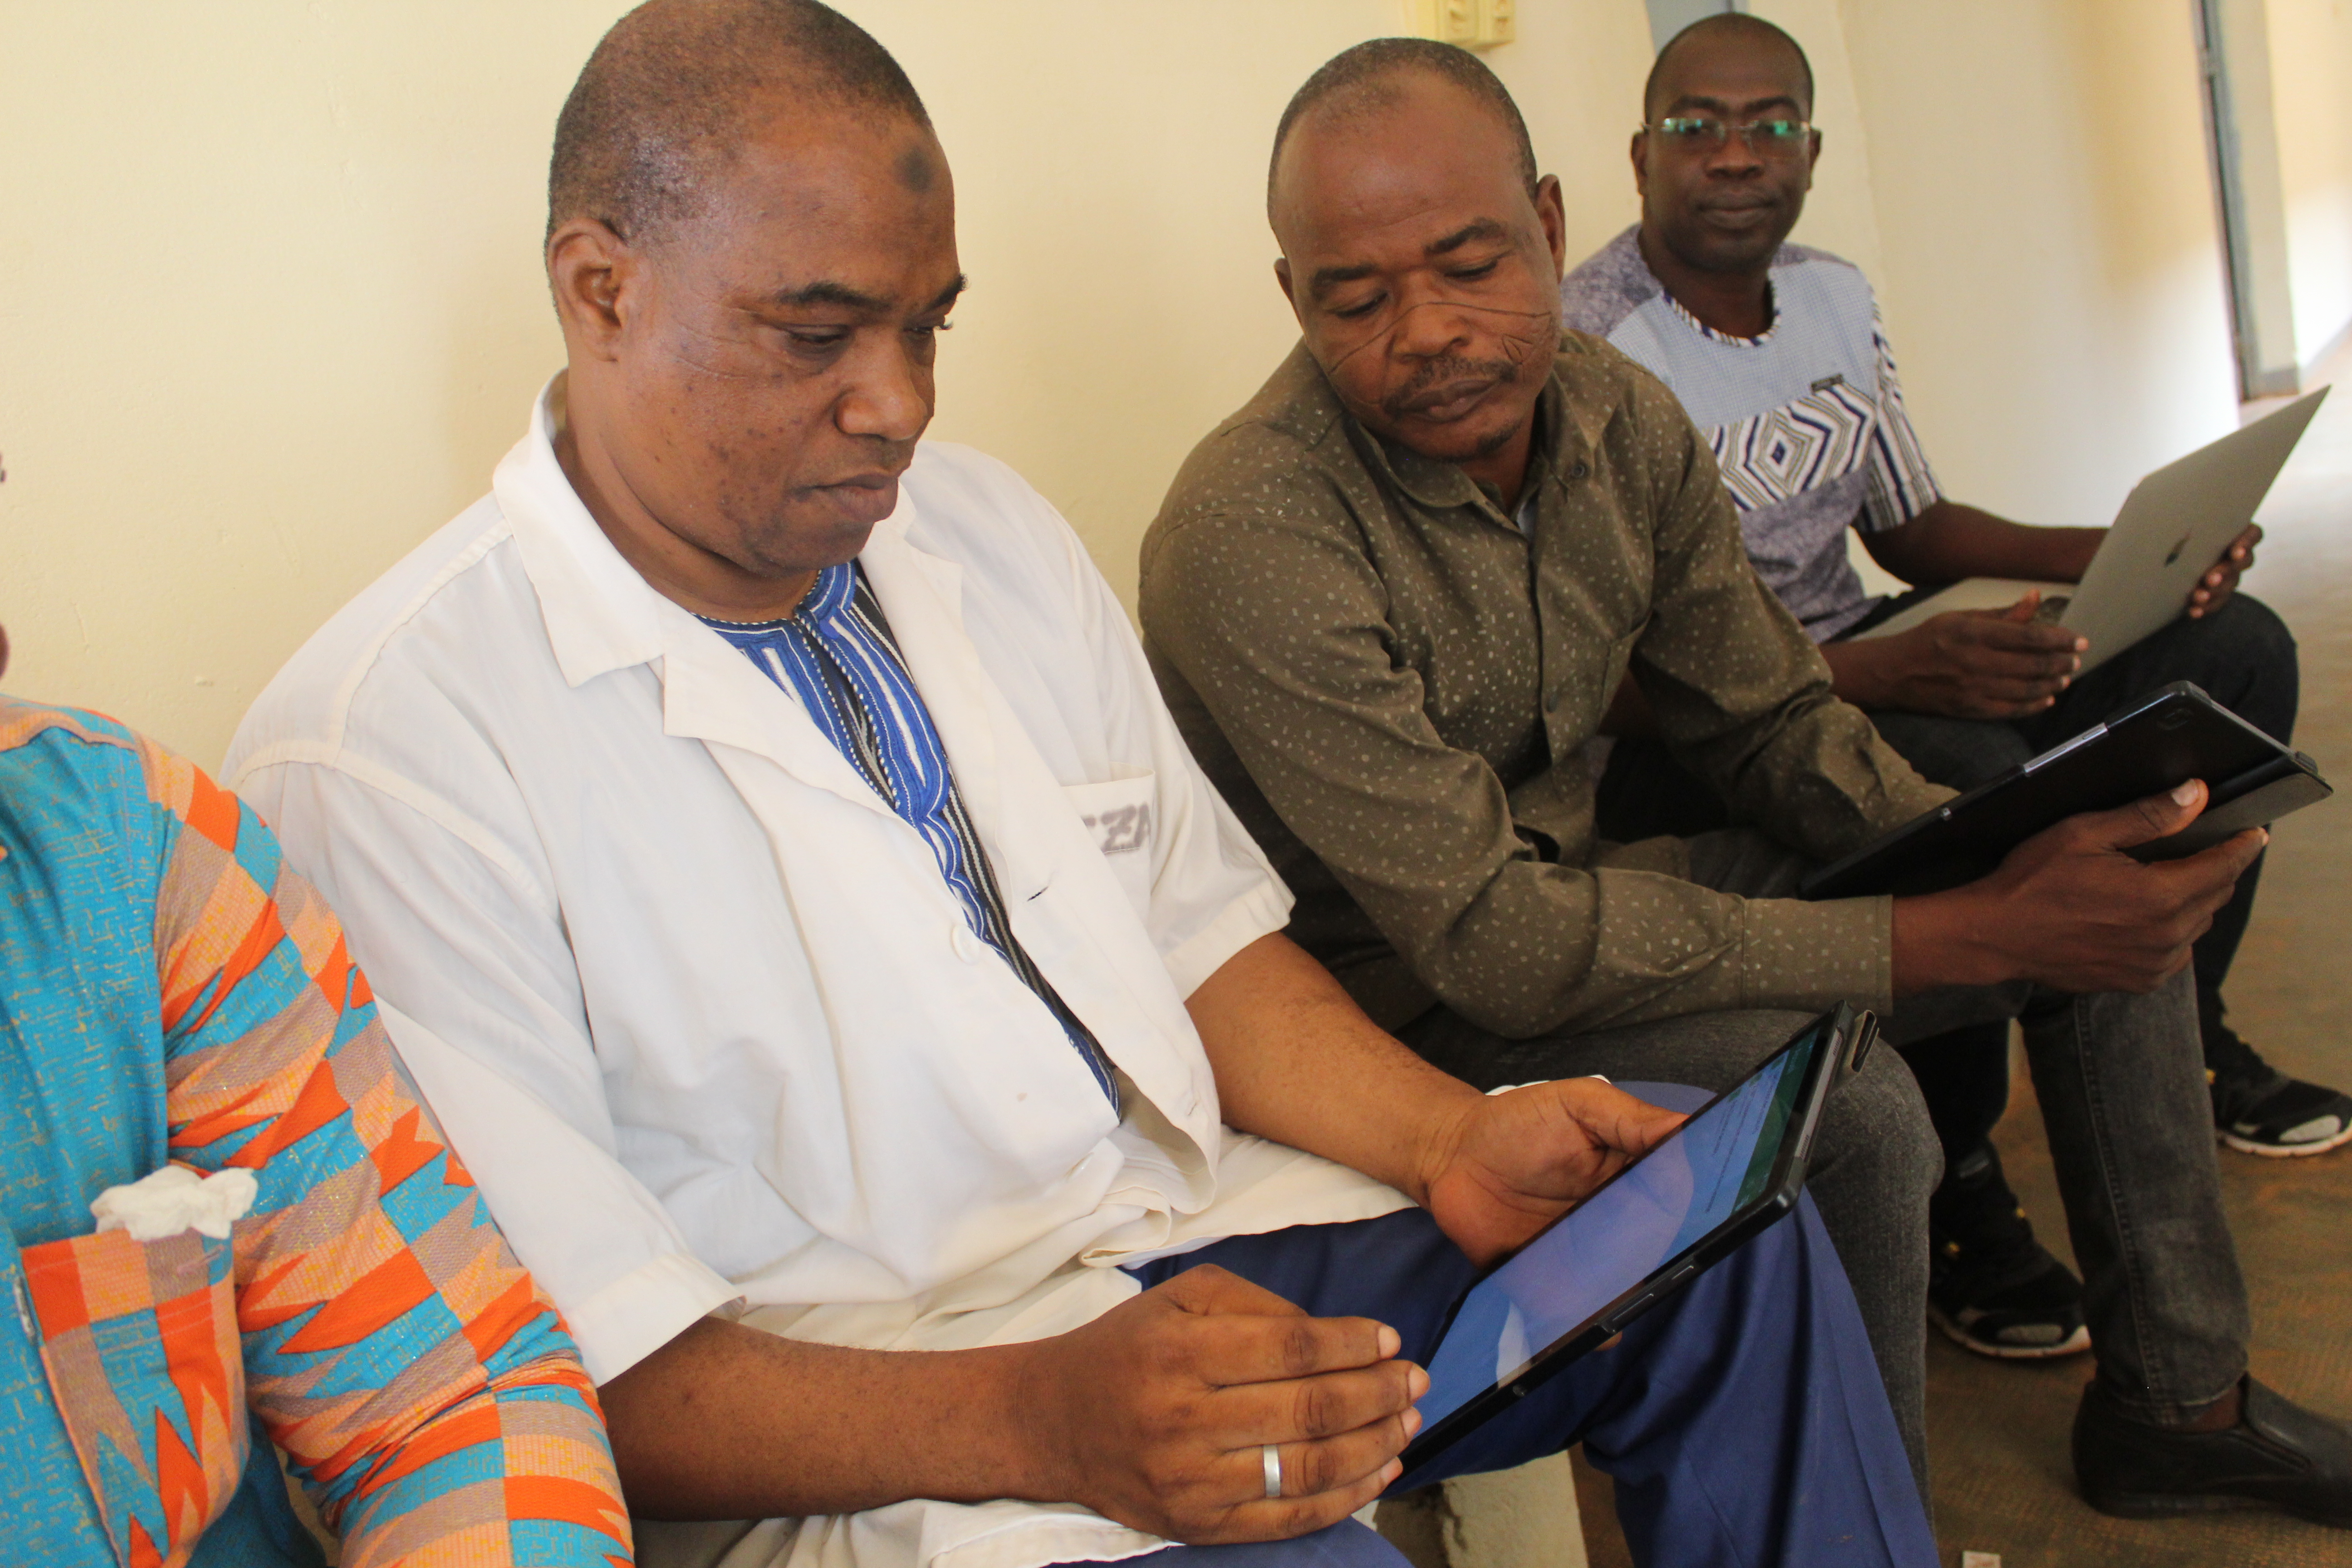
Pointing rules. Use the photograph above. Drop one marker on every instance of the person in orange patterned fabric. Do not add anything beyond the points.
(232, 1227)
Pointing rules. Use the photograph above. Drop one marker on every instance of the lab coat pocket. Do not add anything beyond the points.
(1119, 816)
(140, 1343)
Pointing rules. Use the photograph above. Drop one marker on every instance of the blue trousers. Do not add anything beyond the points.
(1743, 1420)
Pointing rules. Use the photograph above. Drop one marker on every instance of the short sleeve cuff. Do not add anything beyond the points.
(1809, 955)
(1261, 911)
(643, 1310)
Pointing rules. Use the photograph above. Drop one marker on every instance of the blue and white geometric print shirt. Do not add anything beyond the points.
(1807, 420)
(836, 656)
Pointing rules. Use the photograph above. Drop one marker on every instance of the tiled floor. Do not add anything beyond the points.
(1998, 1433)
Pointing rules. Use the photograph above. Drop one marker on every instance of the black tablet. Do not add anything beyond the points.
(2157, 742)
(1735, 1167)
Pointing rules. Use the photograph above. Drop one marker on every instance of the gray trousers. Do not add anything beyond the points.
(2121, 1082)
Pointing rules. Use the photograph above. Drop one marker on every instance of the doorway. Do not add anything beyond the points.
(2241, 136)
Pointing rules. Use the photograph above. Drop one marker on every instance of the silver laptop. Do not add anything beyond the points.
(2173, 526)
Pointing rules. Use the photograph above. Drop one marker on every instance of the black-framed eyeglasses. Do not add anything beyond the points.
(1704, 133)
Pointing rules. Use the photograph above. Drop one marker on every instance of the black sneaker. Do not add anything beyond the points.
(2278, 1456)
(2258, 1109)
(1991, 1286)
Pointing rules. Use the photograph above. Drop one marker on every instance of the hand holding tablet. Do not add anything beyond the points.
(2153, 746)
(1706, 1186)
(1528, 1153)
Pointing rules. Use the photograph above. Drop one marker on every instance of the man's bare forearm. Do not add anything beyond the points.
(1297, 1061)
(1151, 1415)
(727, 1421)
(1948, 541)
(1864, 673)
(1939, 940)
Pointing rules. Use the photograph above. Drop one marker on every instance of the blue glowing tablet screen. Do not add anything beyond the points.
(1705, 1171)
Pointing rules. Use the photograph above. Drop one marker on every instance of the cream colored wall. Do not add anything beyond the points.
(270, 305)
(1110, 177)
(2310, 101)
(2050, 273)
(1842, 213)
(269, 313)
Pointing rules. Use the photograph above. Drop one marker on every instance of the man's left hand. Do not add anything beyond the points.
(1511, 1164)
(2214, 588)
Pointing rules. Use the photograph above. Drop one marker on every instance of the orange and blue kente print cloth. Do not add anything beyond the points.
(172, 993)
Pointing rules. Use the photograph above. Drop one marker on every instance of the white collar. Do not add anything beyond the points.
(601, 614)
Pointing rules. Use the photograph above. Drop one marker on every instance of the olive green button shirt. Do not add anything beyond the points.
(1392, 684)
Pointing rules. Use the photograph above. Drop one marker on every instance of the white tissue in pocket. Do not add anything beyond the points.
(176, 1199)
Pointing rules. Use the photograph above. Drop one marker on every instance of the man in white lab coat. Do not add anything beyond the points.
(775, 861)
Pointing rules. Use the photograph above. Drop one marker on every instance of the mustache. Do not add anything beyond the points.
(882, 454)
(1443, 372)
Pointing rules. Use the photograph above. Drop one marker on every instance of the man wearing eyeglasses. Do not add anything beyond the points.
(1778, 352)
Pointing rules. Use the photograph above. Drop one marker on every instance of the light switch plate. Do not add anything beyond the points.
(1472, 24)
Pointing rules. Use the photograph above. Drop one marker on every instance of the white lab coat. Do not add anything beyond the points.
(697, 1008)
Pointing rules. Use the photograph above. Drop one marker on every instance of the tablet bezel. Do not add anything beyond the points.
(1851, 1033)
(1936, 850)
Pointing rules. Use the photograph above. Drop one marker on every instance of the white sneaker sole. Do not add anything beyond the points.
(2284, 1151)
(2074, 1344)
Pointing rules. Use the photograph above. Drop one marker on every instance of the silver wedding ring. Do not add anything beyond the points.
(1273, 1458)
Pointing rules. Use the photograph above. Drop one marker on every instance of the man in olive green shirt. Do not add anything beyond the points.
(1389, 601)
(1346, 631)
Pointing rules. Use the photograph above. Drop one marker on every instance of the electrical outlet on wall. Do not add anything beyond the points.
(1473, 24)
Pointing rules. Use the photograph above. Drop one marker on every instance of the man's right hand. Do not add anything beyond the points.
(2069, 910)
(1154, 1413)
(1963, 664)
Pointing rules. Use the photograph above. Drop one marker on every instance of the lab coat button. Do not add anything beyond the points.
(968, 947)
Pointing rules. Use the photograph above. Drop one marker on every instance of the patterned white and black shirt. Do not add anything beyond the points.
(1807, 420)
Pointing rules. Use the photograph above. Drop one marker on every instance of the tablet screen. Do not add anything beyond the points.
(1653, 1211)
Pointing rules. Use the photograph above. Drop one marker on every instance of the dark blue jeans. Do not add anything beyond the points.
(1743, 1420)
